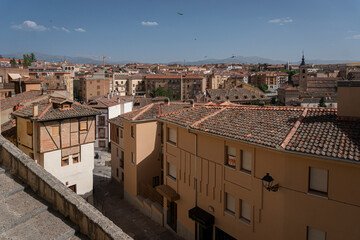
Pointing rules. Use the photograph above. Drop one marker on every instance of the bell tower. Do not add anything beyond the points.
(303, 75)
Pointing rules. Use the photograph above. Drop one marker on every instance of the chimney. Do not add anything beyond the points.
(160, 110)
(35, 110)
(108, 96)
(167, 101)
(192, 102)
(118, 100)
(348, 98)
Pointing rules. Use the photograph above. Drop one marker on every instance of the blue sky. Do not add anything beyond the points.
(152, 31)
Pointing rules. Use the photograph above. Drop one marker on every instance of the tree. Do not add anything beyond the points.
(162, 92)
(322, 102)
(263, 87)
(13, 62)
(32, 57)
(19, 62)
(27, 60)
(1, 56)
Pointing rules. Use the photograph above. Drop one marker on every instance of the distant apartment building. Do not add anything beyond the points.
(52, 79)
(96, 85)
(59, 134)
(272, 79)
(215, 81)
(182, 87)
(130, 85)
(236, 80)
(7, 76)
(111, 106)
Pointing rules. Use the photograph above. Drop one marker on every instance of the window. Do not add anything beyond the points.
(318, 182)
(55, 131)
(171, 135)
(117, 172)
(231, 157)
(101, 132)
(83, 125)
(29, 128)
(246, 161)
(122, 160)
(172, 171)
(132, 132)
(121, 133)
(102, 144)
(230, 203)
(133, 158)
(245, 211)
(75, 158)
(315, 234)
(102, 120)
(64, 161)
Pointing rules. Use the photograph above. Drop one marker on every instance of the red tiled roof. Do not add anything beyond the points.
(316, 131)
(19, 98)
(47, 111)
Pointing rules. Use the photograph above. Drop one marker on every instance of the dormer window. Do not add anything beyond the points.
(66, 106)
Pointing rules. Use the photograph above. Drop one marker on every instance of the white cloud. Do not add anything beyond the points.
(281, 21)
(80, 30)
(61, 28)
(149, 23)
(357, 37)
(29, 26)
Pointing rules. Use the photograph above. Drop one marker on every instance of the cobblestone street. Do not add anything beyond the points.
(108, 198)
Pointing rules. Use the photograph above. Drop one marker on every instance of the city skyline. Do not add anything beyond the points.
(174, 31)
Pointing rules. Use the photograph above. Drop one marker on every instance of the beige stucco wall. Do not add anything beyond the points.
(275, 215)
(349, 101)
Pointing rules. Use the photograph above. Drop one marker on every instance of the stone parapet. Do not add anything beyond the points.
(91, 222)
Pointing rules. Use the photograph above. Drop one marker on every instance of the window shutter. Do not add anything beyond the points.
(29, 129)
(245, 210)
(230, 203)
(172, 170)
(83, 125)
(55, 131)
(315, 234)
(246, 161)
(318, 179)
(172, 135)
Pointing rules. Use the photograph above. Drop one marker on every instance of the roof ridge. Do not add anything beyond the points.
(177, 111)
(142, 111)
(293, 130)
(45, 110)
(209, 116)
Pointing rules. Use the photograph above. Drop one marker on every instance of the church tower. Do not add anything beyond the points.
(303, 75)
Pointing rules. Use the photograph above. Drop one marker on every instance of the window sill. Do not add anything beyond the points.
(230, 167)
(245, 221)
(171, 178)
(231, 214)
(245, 172)
(171, 143)
(318, 194)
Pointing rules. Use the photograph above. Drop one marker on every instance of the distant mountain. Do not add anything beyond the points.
(235, 59)
(55, 58)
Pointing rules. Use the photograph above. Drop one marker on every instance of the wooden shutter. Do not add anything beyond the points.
(172, 135)
(83, 125)
(246, 161)
(29, 128)
(318, 179)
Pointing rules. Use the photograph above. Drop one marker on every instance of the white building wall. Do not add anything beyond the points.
(127, 107)
(80, 173)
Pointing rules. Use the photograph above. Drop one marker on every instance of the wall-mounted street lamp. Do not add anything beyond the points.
(267, 182)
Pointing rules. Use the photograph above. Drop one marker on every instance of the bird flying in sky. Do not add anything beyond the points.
(180, 13)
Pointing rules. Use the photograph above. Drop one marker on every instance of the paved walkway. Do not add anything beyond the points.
(108, 198)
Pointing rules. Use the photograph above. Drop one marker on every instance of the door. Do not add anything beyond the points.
(204, 233)
(172, 215)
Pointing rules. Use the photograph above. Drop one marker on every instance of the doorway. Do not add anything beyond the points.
(172, 215)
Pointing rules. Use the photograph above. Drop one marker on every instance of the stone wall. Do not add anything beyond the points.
(90, 221)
